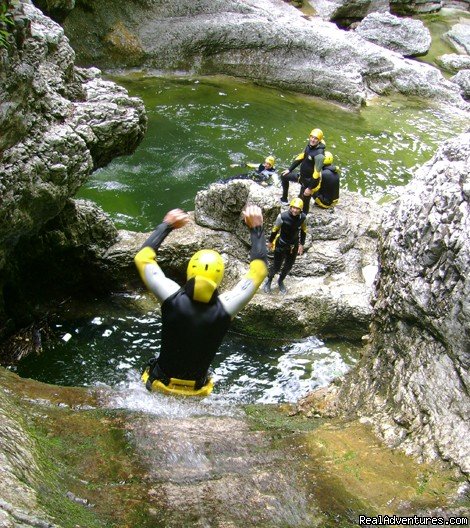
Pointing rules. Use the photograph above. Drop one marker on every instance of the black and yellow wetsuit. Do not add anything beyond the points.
(192, 331)
(311, 163)
(328, 194)
(287, 233)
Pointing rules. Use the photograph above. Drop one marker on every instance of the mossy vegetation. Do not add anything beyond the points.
(350, 472)
(93, 475)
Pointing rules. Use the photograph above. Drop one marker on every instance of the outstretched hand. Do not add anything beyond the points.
(176, 218)
(253, 216)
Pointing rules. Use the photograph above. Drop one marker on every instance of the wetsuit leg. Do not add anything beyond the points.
(285, 184)
(288, 263)
(305, 199)
(277, 263)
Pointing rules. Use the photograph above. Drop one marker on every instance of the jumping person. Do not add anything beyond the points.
(311, 164)
(288, 239)
(328, 194)
(195, 317)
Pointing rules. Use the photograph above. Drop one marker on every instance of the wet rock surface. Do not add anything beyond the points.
(85, 461)
(404, 35)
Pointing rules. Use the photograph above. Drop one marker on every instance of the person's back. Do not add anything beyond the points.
(328, 194)
(191, 334)
(195, 318)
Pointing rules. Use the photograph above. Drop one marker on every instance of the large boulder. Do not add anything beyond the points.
(413, 382)
(346, 13)
(330, 285)
(267, 41)
(404, 35)
(459, 38)
(462, 78)
(453, 62)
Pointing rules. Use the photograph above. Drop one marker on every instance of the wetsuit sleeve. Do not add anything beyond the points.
(275, 229)
(297, 161)
(237, 298)
(150, 272)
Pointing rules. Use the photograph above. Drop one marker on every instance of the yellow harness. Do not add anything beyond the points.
(179, 387)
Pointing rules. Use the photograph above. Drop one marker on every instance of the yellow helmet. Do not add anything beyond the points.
(271, 160)
(297, 202)
(206, 263)
(328, 159)
(316, 132)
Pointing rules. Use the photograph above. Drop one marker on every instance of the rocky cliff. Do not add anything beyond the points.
(413, 383)
(58, 122)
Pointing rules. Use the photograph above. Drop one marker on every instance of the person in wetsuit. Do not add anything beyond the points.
(262, 173)
(311, 164)
(328, 194)
(288, 239)
(196, 317)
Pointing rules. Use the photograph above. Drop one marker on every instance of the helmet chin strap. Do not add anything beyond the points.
(201, 289)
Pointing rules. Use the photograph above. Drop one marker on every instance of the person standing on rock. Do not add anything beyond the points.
(311, 164)
(287, 238)
(328, 194)
(195, 317)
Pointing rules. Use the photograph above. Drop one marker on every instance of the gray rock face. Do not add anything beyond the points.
(462, 78)
(348, 12)
(453, 62)
(413, 383)
(413, 7)
(58, 122)
(330, 285)
(459, 38)
(404, 35)
(265, 41)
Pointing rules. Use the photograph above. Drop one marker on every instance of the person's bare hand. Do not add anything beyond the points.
(300, 251)
(253, 216)
(308, 192)
(269, 245)
(285, 172)
(176, 218)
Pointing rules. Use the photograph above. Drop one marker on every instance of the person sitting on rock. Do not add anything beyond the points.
(311, 164)
(287, 238)
(195, 317)
(263, 173)
(328, 194)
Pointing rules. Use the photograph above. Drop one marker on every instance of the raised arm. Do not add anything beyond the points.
(146, 259)
(237, 298)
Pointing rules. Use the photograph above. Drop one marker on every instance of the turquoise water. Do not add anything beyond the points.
(198, 127)
(108, 342)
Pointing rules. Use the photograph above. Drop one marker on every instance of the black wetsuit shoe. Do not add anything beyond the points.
(283, 202)
(267, 286)
(282, 288)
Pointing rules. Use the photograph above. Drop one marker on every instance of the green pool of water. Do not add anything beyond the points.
(198, 127)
